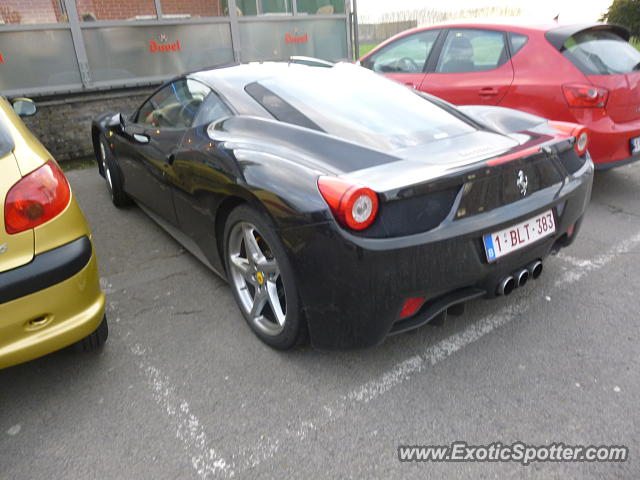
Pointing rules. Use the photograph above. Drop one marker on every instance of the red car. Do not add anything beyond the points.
(586, 74)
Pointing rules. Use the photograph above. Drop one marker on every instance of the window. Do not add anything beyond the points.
(406, 55)
(92, 10)
(260, 7)
(191, 8)
(279, 108)
(467, 50)
(359, 106)
(212, 110)
(597, 52)
(320, 7)
(6, 142)
(517, 42)
(175, 106)
(33, 11)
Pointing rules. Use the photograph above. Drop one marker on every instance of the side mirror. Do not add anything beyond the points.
(115, 121)
(24, 107)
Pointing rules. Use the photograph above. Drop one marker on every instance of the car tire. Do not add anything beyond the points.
(112, 175)
(267, 273)
(95, 339)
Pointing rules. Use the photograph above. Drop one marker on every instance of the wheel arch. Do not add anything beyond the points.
(240, 196)
(222, 214)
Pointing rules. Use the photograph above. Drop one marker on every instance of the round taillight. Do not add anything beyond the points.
(360, 207)
(354, 206)
(579, 132)
(582, 140)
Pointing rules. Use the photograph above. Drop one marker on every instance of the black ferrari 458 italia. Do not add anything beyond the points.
(341, 205)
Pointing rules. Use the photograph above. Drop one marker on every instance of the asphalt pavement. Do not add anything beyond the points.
(184, 390)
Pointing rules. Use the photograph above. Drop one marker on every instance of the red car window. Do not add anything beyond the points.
(470, 50)
(601, 53)
(406, 55)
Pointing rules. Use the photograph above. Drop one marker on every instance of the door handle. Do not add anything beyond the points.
(141, 138)
(488, 92)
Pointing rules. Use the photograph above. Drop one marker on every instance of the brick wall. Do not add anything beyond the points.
(115, 9)
(50, 11)
(196, 8)
(63, 124)
(126, 9)
(31, 11)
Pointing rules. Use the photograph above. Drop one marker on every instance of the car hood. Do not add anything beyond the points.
(433, 160)
(332, 155)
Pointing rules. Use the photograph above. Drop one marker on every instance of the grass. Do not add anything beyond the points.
(366, 48)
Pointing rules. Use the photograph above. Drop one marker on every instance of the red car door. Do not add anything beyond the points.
(473, 68)
(405, 59)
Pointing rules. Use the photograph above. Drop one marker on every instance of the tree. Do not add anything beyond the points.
(625, 12)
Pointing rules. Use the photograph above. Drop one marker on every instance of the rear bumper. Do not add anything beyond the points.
(610, 141)
(353, 288)
(66, 306)
(45, 270)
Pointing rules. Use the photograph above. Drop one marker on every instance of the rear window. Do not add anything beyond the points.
(599, 52)
(6, 143)
(517, 42)
(357, 105)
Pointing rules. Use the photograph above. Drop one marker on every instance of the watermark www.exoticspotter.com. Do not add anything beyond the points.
(515, 452)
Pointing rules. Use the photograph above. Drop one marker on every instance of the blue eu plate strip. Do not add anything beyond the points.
(488, 246)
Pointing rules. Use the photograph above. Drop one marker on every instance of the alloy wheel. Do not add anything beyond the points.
(255, 276)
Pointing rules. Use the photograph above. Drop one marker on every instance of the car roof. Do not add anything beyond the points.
(500, 23)
(515, 24)
(556, 33)
(229, 81)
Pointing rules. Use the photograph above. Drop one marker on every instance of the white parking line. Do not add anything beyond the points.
(586, 266)
(403, 371)
(207, 463)
(204, 459)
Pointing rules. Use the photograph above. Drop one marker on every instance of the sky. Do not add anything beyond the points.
(571, 11)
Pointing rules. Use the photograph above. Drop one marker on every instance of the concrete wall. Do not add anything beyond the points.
(63, 124)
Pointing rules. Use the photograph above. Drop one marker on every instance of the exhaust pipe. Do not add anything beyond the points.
(522, 276)
(535, 269)
(506, 285)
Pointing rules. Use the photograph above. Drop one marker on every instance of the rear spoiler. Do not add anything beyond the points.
(310, 61)
(559, 35)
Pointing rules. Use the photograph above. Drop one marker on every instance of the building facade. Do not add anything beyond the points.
(78, 58)
(50, 47)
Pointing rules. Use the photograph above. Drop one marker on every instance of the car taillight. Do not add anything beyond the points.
(36, 198)
(585, 96)
(354, 206)
(580, 133)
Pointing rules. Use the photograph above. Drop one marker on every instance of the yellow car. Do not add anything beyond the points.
(50, 294)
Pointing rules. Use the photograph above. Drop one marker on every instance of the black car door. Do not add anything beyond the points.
(203, 172)
(152, 140)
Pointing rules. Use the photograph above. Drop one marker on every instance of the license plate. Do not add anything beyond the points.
(503, 242)
(635, 145)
